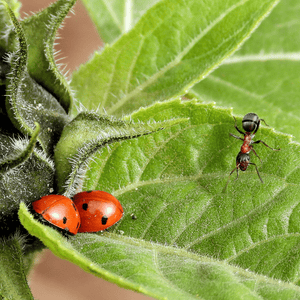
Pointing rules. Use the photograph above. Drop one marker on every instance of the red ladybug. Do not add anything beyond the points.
(59, 211)
(98, 210)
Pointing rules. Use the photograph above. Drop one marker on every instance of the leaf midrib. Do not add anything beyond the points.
(128, 15)
(176, 60)
(113, 15)
(290, 56)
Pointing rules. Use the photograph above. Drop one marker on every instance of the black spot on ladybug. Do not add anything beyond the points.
(84, 206)
(77, 225)
(104, 220)
(65, 220)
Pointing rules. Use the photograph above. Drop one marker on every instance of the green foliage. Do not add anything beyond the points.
(173, 46)
(12, 270)
(27, 102)
(40, 34)
(182, 236)
(116, 17)
(10, 163)
(7, 42)
(87, 133)
(159, 271)
(25, 175)
(263, 76)
(173, 183)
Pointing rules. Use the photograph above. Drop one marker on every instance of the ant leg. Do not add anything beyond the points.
(259, 124)
(255, 154)
(264, 121)
(241, 132)
(257, 171)
(235, 136)
(237, 170)
(254, 132)
(257, 142)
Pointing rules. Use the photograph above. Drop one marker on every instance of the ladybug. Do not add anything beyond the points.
(59, 211)
(98, 210)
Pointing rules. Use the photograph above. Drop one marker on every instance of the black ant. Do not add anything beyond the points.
(251, 124)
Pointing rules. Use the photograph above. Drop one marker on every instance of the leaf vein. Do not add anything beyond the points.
(259, 209)
(105, 96)
(176, 59)
(112, 13)
(133, 64)
(259, 243)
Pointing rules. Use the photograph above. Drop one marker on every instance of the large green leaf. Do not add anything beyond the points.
(173, 182)
(263, 76)
(241, 243)
(158, 271)
(175, 44)
(115, 17)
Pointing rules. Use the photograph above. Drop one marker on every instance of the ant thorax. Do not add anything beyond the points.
(251, 137)
(246, 148)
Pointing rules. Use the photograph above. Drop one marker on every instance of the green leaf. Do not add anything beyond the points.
(155, 270)
(116, 17)
(156, 59)
(7, 37)
(263, 77)
(173, 181)
(40, 32)
(86, 134)
(26, 181)
(13, 283)
(6, 126)
(27, 102)
(13, 162)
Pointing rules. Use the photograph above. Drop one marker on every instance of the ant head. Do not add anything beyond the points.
(251, 122)
(242, 161)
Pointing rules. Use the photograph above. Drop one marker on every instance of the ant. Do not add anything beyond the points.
(251, 124)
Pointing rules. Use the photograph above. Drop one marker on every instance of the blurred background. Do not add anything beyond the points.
(53, 278)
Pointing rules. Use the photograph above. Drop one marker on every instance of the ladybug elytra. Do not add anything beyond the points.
(98, 210)
(59, 211)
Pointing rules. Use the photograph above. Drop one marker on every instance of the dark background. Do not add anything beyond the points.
(53, 278)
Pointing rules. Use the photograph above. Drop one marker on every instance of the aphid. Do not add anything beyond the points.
(59, 211)
(133, 217)
(251, 124)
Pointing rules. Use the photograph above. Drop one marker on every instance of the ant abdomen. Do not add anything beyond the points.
(243, 160)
